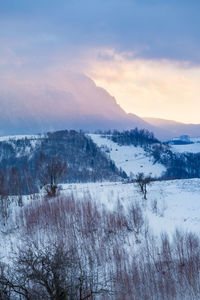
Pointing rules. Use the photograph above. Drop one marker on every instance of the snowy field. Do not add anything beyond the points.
(178, 201)
(130, 159)
(192, 148)
(170, 205)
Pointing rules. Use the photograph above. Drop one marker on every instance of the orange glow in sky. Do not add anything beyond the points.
(154, 88)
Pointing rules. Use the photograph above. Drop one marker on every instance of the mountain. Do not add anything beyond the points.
(75, 102)
(29, 105)
(174, 128)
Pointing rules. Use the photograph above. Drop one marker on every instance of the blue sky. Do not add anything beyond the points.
(37, 35)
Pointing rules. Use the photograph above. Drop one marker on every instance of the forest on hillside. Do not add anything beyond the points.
(21, 161)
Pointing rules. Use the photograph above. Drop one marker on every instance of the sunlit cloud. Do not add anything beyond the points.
(156, 88)
(147, 87)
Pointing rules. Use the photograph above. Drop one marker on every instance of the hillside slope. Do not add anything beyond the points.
(129, 158)
(170, 204)
(21, 159)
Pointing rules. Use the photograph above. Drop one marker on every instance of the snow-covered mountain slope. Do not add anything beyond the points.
(130, 159)
(20, 137)
(107, 220)
(170, 205)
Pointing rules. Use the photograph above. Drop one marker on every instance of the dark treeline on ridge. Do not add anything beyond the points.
(22, 160)
(178, 165)
(136, 137)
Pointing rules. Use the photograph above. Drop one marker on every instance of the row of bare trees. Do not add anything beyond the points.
(11, 184)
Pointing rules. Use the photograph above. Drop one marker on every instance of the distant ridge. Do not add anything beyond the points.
(175, 128)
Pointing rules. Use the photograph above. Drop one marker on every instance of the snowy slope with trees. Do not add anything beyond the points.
(101, 240)
(129, 158)
(121, 246)
(185, 144)
(169, 205)
(193, 147)
(187, 148)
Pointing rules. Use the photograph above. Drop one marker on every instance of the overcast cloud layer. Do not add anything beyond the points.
(148, 28)
(149, 42)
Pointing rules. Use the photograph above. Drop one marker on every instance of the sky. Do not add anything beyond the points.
(145, 53)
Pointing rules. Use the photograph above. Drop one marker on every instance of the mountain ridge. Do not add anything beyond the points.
(73, 101)
(176, 128)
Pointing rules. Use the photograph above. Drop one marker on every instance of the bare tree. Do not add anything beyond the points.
(50, 174)
(4, 199)
(54, 272)
(15, 184)
(143, 181)
(136, 219)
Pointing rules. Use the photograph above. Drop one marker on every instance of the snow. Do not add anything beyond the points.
(20, 137)
(170, 205)
(191, 148)
(33, 142)
(178, 201)
(194, 147)
(178, 207)
(195, 140)
(131, 159)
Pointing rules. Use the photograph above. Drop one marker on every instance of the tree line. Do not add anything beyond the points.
(21, 161)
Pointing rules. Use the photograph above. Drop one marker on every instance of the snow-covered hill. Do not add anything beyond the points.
(26, 153)
(6, 138)
(113, 216)
(130, 159)
(190, 145)
(189, 148)
(170, 204)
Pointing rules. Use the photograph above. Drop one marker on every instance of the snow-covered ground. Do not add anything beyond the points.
(130, 159)
(170, 205)
(178, 201)
(192, 148)
(20, 137)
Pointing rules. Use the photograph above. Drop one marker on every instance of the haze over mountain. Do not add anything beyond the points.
(175, 128)
(144, 53)
(70, 101)
(74, 102)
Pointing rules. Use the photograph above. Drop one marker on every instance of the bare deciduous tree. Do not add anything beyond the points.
(143, 181)
(136, 219)
(53, 272)
(50, 174)
(4, 199)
